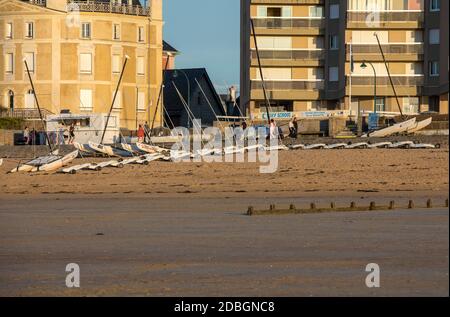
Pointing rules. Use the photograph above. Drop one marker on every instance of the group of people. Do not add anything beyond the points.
(56, 137)
(276, 133)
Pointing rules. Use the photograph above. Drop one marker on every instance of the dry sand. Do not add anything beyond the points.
(325, 173)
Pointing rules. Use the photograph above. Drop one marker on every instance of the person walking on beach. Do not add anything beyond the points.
(273, 130)
(293, 128)
(72, 133)
(140, 134)
(26, 135)
(146, 132)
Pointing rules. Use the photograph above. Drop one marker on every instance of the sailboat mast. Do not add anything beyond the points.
(260, 71)
(114, 99)
(39, 108)
(389, 75)
(159, 99)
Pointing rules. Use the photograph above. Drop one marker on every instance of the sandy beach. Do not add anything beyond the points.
(180, 229)
(323, 172)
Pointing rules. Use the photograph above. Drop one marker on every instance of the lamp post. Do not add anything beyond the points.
(364, 66)
(175, 75)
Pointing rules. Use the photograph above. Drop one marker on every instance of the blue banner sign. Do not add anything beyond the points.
(373, 121)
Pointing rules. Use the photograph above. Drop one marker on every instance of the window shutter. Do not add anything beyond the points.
(86, 99)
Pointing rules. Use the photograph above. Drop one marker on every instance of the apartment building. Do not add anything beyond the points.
(75, 51)
(323, 55)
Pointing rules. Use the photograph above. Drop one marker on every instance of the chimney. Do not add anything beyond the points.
(60, 5)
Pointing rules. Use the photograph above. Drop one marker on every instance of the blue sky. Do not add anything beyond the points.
(206, 32)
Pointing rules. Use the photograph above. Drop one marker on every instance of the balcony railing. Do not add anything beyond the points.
(384, 81)
(290, 54)
(41, 3)
(24, 113)
(282, 23)
(383, 17)
(407, 48)
(94, 6)
(288, 85)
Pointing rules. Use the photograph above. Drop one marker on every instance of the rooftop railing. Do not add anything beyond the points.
(97, 6)
(41, 3)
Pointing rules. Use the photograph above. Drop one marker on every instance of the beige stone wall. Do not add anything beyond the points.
(57, 48)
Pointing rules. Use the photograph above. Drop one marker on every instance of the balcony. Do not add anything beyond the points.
(286, 2)
(300, 26)
(313, 57)
(404, 85)
(412, 80)
(288, 85)
(392, 52)
(385, 19)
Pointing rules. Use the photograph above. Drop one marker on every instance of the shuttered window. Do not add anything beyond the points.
(9, 63)
(86, 99)
(274, 43)
(118, 101)
(275, 74)
(116, 64)
(29, 57)
(141, 101)
(86, 63)
(140, 67)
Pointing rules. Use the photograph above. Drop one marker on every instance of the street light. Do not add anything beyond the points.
(175, 75)
(364, 66)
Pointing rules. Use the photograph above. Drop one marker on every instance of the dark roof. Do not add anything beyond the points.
(169, 48)
(171, 96)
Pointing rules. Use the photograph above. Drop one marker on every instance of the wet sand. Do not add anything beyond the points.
(208, 247)
(180, 230)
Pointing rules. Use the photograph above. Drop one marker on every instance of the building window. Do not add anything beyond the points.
(29, 57)
(9, 63)
(29, 100)
(316, 12)
(274, 12)
(434, 68)
(140, 66)
(86, 30)
(435, 5)
(141, 101)
(411, 105)
(380, 104)
(116, 64)
(434, 36)
(334, 42)
(334, 74)
(116, 32)
(118, 101)
(86, 99)
(86, 63)
(275, 74)
(29, 30)
(141, 34)
(9, 31)
(334, 11)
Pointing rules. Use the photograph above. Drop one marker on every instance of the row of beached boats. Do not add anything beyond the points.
(144, 154)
